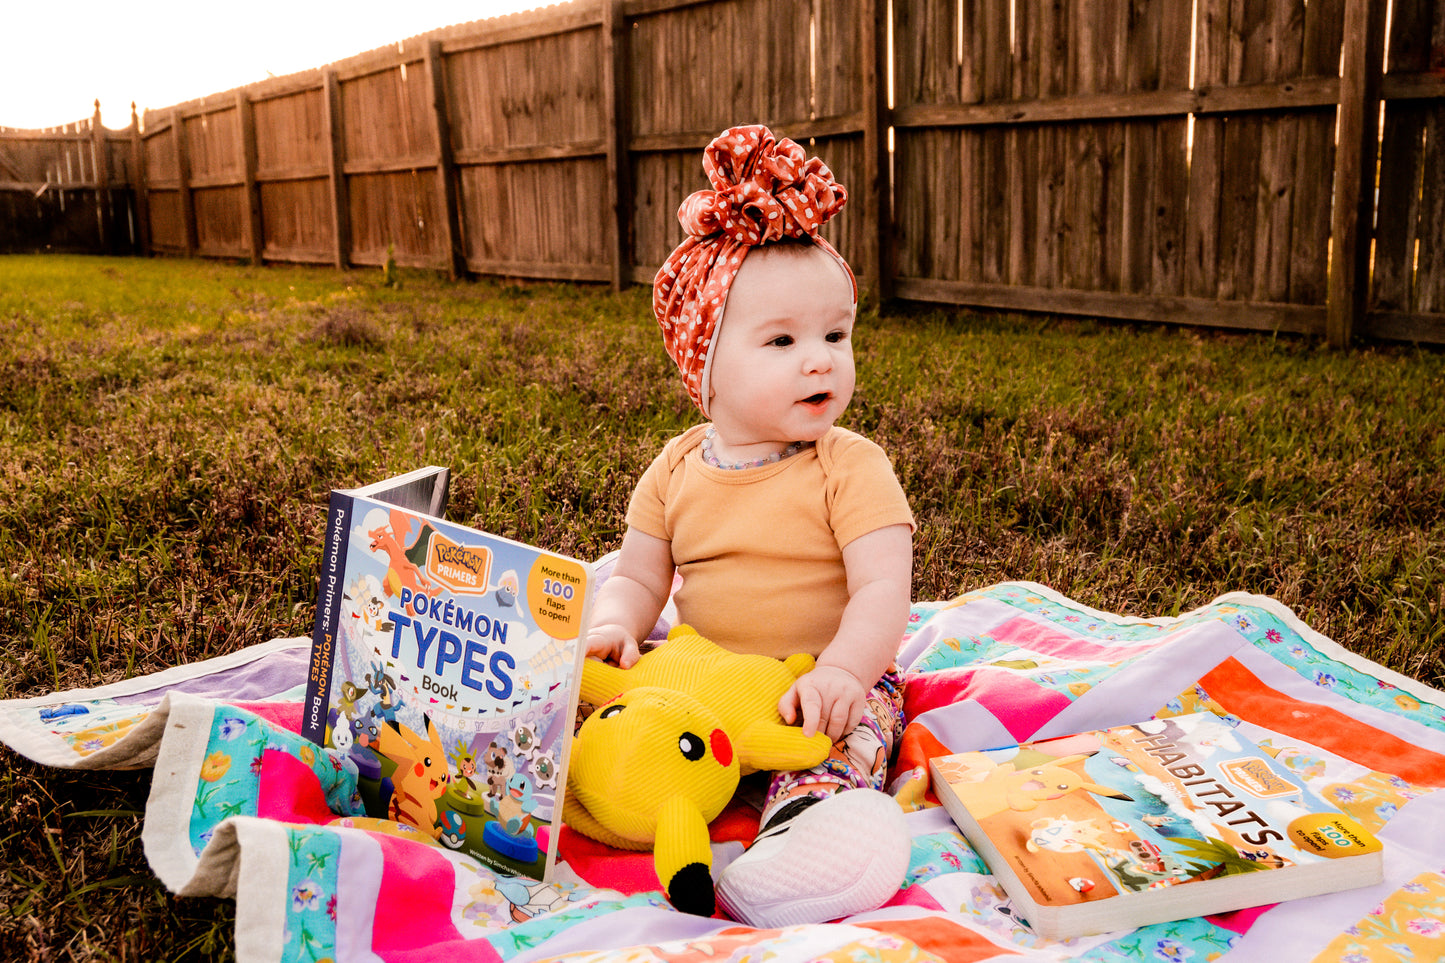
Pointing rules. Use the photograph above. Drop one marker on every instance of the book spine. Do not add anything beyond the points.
(325, 637)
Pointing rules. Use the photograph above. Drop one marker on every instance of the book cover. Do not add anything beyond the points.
(446, 663)
(1140, 824)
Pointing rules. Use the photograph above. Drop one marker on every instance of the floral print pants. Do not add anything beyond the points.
(857, 761)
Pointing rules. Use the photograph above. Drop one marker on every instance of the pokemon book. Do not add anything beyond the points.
(1162, 820)
(445, 664)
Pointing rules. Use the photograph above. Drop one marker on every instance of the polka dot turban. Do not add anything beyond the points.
(763, 190)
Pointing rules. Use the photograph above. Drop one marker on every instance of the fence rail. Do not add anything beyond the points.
(1245, 165)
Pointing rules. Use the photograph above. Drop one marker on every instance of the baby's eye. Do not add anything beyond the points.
(781, 341)
(835, 336)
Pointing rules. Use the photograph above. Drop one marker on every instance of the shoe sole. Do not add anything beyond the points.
(857, 847)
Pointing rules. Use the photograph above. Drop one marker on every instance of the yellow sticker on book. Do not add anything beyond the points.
(1332, 835)
(555, 590)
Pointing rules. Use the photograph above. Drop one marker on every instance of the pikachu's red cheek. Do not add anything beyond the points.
(420, 769)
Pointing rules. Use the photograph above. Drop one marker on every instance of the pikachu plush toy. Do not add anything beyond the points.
(664, 751)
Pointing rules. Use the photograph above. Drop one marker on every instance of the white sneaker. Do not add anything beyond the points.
(842, 855)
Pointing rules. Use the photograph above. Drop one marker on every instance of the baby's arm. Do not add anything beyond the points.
(880, 572)
(631, 599)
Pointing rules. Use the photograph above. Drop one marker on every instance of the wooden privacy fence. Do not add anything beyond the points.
(1200, 161)
(1217, 162)
(556, 144)
(69, 188)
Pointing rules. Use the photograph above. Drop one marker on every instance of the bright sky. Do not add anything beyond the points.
(57, 58)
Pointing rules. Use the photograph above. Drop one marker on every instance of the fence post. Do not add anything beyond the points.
(183, 174)
(142, 191)
(335, 137)
(616, 74)
(878, 175)
(100, 152)
(456, 261)
(1356, 157)
(250, 190)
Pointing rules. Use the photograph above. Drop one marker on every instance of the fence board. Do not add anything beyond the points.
(1409, 276)
(1023, 206)
(1310, 213)
(1140, 163)
(1051, 48)
(1169, 207)
(1399, 207)
(1430, 259)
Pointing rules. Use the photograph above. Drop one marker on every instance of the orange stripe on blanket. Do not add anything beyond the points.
(942, 938)
(1241, 693)
(917, 746)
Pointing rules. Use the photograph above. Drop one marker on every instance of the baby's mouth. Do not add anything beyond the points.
(817, 399)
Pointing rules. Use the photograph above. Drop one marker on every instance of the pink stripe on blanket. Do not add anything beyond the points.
(914, 896)
(289, 790)
(1045, 639)
(414, 903)
(287, 715)
(1020, 705)
(1241, 920)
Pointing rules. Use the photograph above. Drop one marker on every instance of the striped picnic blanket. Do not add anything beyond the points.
(242, 807)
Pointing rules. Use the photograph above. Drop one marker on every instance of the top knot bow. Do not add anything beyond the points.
(763, 190)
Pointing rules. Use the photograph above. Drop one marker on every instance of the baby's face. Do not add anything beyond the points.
(782, 367)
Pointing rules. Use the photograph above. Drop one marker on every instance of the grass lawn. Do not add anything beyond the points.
(169, 431)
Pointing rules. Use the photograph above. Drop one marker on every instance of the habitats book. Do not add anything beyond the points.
(1161, 820)
(445, 663)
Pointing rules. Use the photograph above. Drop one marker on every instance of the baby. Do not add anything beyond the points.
(790, 534)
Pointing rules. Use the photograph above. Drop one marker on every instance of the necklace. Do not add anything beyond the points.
(711, 459)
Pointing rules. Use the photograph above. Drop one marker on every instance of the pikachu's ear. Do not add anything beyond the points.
(1109, 791)
(390, 741)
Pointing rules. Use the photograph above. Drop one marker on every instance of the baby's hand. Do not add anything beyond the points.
(829, 699)
(612, 643)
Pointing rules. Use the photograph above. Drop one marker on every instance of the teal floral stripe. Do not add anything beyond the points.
(229, 780)
(1175, 942)
(938, 854)
(311, 884)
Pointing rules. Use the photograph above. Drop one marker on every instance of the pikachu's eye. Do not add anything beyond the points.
(691, 746)
(610, 711)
